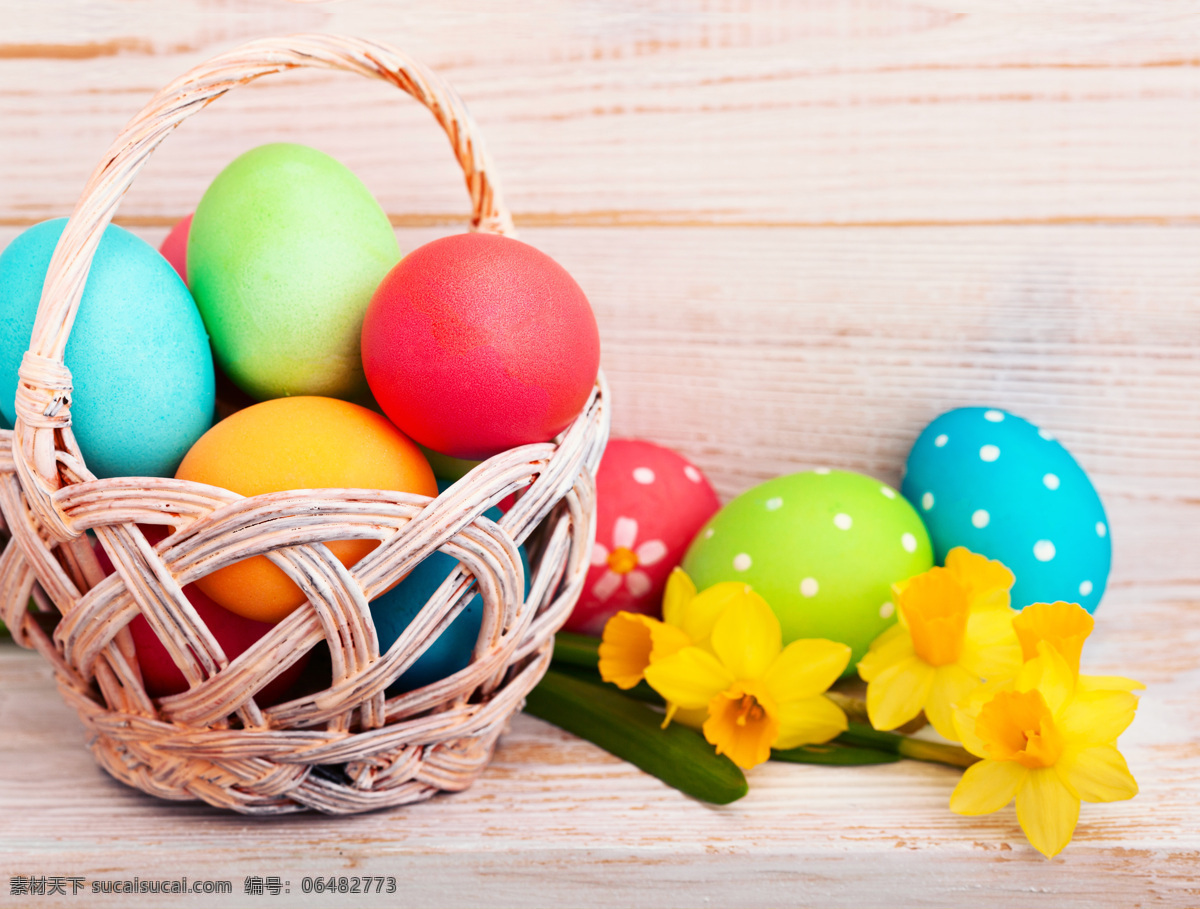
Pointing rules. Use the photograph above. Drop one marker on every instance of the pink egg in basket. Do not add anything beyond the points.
(174, 246)
(650, 503)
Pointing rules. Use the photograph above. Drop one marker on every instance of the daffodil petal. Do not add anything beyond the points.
(898, 693)
(689, 678)
(986, 787)
(883, 653)
(665, 640)
(1047, 811)
(693, 717)
(806, 667)
(701, 613)
(1097, 774)
(888, 635)
(679, 592)
(809, 721)
(747, 637)
(967, 713)
(1107, 683)
(951, 685)
(1051, 675)
(990, 646)
(1097, 717)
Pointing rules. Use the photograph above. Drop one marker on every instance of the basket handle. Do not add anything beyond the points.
(46, 454)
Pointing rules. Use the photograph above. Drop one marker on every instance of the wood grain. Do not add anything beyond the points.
(807, 228)
(554, 821)
(681, 111)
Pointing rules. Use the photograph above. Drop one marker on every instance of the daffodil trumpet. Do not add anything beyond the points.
(1048, 737)
(955, 631)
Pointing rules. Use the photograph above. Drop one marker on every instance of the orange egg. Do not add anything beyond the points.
(298, 443)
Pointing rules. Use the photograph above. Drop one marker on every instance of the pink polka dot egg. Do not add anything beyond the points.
(650, 502)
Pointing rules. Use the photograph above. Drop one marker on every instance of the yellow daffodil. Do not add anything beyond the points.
(1047, 741)
(757, 693)
(955, 630)
(1065, 626)
(632, 642)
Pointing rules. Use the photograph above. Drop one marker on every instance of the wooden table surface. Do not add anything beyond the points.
(807, 228)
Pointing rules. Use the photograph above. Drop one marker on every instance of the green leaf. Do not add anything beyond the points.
(677, 755)
(639, 692)
(835, 754)
(576, 650)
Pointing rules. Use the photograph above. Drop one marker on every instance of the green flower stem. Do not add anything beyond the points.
(576, 650)
(577, 656)
(864, 736)
(639, 692)
(835, 753)
(678, 756)
(854, 708)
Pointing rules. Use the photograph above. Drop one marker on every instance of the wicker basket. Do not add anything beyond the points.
(347, 748)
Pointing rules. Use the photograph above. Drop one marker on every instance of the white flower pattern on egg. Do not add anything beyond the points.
(623, 560)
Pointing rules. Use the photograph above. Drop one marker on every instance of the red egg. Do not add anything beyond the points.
(235, 635)
(174, 247)
(477, 343)
(650, 503)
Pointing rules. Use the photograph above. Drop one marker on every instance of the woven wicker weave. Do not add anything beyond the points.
(346, 748)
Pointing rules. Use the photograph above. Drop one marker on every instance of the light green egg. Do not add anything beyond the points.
(822, 547)
(286, 248)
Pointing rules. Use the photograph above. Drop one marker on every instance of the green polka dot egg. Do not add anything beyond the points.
(822, 547)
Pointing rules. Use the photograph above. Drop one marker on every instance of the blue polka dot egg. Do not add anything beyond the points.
(996, 484)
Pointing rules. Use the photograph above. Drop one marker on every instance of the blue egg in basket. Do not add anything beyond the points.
(988, 480)
(451, 651)
(141, 367)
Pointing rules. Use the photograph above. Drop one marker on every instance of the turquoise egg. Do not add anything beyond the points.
(822, 547)
(992, 482)
(395, 610)
(140, 363)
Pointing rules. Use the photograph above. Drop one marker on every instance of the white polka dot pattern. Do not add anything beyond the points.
(1085, 589)
(643, 475)
(927, 501)
(1043, 550)
(887, 610)
(741, 562)
(941, 440)
(1051, 481)
(980, 518)
(909, 542)
(994, 416)
(774, 504)
(989, 453)
(843, 521)
(809, 587)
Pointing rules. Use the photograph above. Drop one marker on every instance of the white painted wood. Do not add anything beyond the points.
(681, 110)
(806, 228)
(554, 821)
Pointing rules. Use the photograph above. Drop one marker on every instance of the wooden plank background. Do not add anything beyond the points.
(807, 228)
